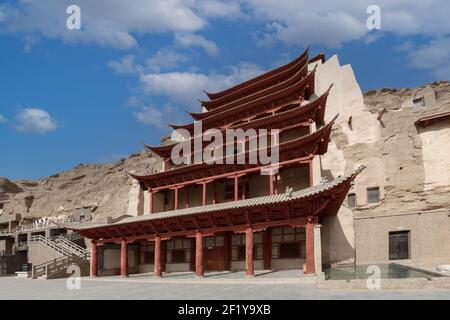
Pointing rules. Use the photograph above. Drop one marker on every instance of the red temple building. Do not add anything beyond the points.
(214, 217)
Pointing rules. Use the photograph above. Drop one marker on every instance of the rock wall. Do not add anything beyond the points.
(410, 166)
(104, 189)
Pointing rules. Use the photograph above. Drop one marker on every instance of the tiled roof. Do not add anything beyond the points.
(247, 203)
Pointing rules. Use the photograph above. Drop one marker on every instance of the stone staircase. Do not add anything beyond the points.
(71, 254)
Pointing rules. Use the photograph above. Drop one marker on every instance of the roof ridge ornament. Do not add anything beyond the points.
(289, 191)
(324, 180)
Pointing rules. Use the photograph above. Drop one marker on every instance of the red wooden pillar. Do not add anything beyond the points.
(186, 197)
(215, 192)
(152, 206)
(204, 194)
(157, 260)
(163, 255)
(192, 254)
(227, 246)
(236, 188)
(94, 259)
(310, 267)
(267, 249)
(249, 266)
(123, 258)
(199, 255)
(271, 186)
(275, 187)
(176, 199)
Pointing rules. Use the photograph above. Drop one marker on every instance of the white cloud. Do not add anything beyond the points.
(3, 15)
(433, 57)
(182, 89)
(104, 22)
(327, 22)
(334, 23)
(112, 22)
(150, 115)
(195, 40)
(2, 118)
(124, 66)
(224, 9)
(187, 87)
(165, 58)
(35, 120)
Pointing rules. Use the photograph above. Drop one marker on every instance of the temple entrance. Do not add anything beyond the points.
(215, 256)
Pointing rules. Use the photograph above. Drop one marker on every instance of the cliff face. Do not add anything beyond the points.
(395, 152)
(101, 188)
(409, 163)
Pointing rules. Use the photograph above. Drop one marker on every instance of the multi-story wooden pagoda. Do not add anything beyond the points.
(201, 217)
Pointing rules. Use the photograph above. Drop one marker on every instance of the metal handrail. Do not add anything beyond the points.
(71, 246)
(6, 253)
(60, 245)
(51, 267)
(6, 232)
(47, 241)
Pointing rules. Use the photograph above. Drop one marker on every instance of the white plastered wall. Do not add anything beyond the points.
(345, 99)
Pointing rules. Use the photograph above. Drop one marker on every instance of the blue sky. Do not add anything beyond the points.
(91, 95)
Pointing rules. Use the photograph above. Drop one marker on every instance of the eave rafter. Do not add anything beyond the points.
(311, 144)
(253, 96)
(258, 106)
(294, 212)
(296, 115)
(260, 81)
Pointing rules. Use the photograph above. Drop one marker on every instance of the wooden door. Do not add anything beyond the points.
(214, 254)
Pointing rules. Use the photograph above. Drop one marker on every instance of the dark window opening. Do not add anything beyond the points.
(178, 250)
(178, 256)
(290, 250)
(241, 253)
(351, 200)
(373, 195)
(288, 242)
(238, 247)
(229, 190)
(419, 102)
(146, 253)
(398, 245)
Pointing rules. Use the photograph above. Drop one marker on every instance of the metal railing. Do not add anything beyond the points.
(51, 244)
(7, 253)
(38, 226)
(60, 244)
(6, 232)
(52, 267)
(22, 246)
(69, 245)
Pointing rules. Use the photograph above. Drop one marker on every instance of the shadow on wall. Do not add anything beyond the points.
(338, 234)
(336, 247)
(327, 174)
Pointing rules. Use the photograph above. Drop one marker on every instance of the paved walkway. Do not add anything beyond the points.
(232, 286)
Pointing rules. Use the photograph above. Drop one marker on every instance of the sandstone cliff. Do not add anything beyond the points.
(101, 188)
